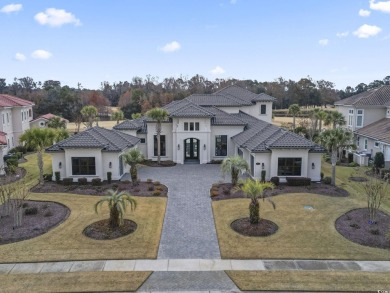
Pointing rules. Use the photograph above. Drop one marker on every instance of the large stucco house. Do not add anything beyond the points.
(368, 116)
(15, 116)
(201, 129)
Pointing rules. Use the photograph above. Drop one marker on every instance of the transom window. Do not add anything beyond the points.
(162, 146)
(263, 109)
(221, 145)
(289, 166)
(191, 126)
(83, 166)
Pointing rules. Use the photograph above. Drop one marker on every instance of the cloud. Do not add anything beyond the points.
(56, 18)
(171, 47)
(11, 8)
(342, 34)
(20, 57)
(364, 13)
(383, 6)
(217, 70)
(41, 54)
(323, 42)
(366, 31)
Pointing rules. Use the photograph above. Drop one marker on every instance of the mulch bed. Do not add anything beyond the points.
(102, 230)
(19, 174)
(354, 225)
(225, 190)
(143, 188)
(150, 163)
(49, 215)
(262, 229)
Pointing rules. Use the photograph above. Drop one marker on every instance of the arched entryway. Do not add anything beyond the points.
(191, 151)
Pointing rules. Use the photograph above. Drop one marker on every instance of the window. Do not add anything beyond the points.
(142, 140)
(29, 113)
(365, 143)
(162, 145)
(289, 166)
(7, 118)
(192, 126)
(358, 141)
(263, 109)
(197, 126)
(350, 117)
(221, 145)
(359, 118)
(186, 126)
(3, 118)
(376, 144)
(83, 166)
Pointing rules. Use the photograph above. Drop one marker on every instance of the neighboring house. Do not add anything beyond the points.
(15, 117)
(41, 121)
(232, 121)
(368, 116)
(3, 145)
(91, 154)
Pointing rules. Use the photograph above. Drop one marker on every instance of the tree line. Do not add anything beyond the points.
(142, 94)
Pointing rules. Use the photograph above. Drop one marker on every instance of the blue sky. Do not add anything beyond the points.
(87, 41)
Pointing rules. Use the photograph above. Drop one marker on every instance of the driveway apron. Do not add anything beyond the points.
(188, 230)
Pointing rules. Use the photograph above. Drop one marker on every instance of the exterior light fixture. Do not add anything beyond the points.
(60, 165)
(178, 147)
(262, 166)
(204, 146)
(313, 166)
(110, 165)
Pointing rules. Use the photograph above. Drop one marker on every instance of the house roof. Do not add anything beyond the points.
(379, 130)
(375, 97)
(48, 117)
(136, 124)
(190, 110)
(222, 118)
(261, 136)
(97, 137)
(12, 101)
(3, 138)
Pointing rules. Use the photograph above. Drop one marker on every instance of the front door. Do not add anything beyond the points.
(191, 151)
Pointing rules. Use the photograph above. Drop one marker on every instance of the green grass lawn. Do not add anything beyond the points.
(302, 234)
(66, 241)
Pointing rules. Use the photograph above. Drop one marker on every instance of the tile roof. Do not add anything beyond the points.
(375, 97)
(222, 118)
(245, 95)
(190, 110)
(12, 101)
(136, 124)
(97, 137)
(48, 117)
(261, 136)
(379, 130)
(217, 100)
(3, 138)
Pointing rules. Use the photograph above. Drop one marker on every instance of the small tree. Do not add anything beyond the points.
(89, 114)
(376, 191)
(20, 193)
(294, 110)
(254, 189)
(117, 203)
(234, 166)
(132, 158)
(379, 161)
(118, 115)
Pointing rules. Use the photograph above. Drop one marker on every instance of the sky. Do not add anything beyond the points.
(88, 42)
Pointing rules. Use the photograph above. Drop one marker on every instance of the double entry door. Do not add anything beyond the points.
(191, 151)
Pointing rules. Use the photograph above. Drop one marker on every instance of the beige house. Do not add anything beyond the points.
(41, 121)
(368, 116)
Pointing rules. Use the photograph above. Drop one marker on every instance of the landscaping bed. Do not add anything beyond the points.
(355, 226)
(19, 174)
(143, 188)
(151, 163)
(102, 230)
(39, 218)
(261, 229)
(224, 190)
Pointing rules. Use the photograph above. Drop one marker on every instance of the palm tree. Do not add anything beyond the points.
(158, 115)
(56, 122)
(89, 114)
(321, 117)
(118, 115)
(294, 110)
(38, 139)
(117, 203)
(254, 189)
(334, 140)
(234, 166)
(132, 158)
(335, 118)
(136, 116)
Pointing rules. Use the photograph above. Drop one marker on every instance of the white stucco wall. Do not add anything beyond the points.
(97, 153)
(314, 174)
(261, 158)
(289, 153)
(2, 172)
(370, 115)
(252, 110)
(143, 147)
(20, 124)
(166, 129)
(56, 158)
(230, 131)
(39, 123)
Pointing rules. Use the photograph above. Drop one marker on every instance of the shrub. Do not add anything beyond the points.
(327, 180)
(31, 211)
(151, 188)
(275, 180)
(57, 176)
(374, 231)
(12, 161)
(263, 172)
(353, 164)
(149, 180)
(214, 193)
(96, 181)
(67, 181)
(82, 181)
(160, 188)
(25, 205)
(48, 214)
(298, 181)
(384, 172)
(379, 160)
(156, 193)
(18, 149)
(109, 177)
(156, 183)
(47, 177)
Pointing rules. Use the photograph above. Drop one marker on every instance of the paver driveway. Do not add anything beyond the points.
(188, 230)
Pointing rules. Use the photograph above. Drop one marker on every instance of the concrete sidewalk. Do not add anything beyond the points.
(193, 265)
